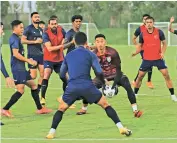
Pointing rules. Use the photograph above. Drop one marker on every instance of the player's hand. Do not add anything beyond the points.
(32, 62)
(134, 54)
(107, 82)
(10, 82)
(162, 55)
(38, 41)
(172, 19)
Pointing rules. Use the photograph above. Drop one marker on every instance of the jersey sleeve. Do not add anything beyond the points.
(45, 38)
(14, 43)
(26, 32)
(141, 38)
(3, 69)
(95, 64)
(175, 32)
(137, 32)
(68, 37)
(161, 35)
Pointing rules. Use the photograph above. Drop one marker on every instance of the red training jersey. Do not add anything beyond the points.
(56, 40)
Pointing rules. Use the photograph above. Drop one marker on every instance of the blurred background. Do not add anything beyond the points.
(109, 18)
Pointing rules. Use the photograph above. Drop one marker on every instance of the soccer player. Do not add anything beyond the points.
(20, 74)
(172, 19)
(80, 85)
(42, 25)
(53, 39)
(9, 81)
(76, 24)
(136, 34)
(150, 41)
(32, 36)
(110, 62)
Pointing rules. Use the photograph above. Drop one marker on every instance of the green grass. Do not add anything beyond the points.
(159, 119)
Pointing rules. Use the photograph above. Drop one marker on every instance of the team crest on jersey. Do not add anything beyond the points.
(108, 59)
(155, 36)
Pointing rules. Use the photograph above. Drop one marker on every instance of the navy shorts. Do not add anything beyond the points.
(21, 77)
(78, 91)
(147, 65)
(38, 59)
(53, 66)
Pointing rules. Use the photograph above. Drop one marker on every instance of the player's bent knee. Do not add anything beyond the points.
(103, 102)
(63, 106)
(21, 91)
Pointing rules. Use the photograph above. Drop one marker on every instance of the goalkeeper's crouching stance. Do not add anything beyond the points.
(110, 62)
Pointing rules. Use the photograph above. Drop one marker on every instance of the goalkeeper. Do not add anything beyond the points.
(111, 65)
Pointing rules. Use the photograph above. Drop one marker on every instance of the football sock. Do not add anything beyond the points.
(171, 91)
(136, 90)
(57, 119)
(44, 87)
(84, 108)
(14, 98)
(119, 125)
(35, 96)
(111, 113)
(149, 75)
(134, 107)
(39, 88)
(136, 77)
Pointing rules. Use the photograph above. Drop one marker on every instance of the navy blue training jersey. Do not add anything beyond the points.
(15, 43)
(3, 69)
(78, 64)
(32, 34)
(69, 37)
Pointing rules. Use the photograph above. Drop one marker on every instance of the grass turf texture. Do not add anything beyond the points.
(159, 119)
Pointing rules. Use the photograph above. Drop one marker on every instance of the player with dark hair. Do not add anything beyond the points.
(110, 62)
(150, 41)
(54, 17)
(9, 81)
(76, 24)
(20, 74)
(172, 19)
(136, 34)
(32, 36)
(53, 39)
(80, 85)
(42, 25)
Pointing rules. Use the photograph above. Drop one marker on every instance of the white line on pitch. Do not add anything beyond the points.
(91, 139)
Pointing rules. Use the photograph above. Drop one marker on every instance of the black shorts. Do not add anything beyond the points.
(85, 90)
(147, 65)
(38, 59)
(53, 66)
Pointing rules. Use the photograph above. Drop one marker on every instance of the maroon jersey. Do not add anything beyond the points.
(110, 62)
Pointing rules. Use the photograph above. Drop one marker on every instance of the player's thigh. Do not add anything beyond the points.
(31, 84)
(145, 67)
(160, 64)
(41, 70)
(33, 73)
(125, 83)
(48, 68)
(97, 82)
(103, 102)
(20, 88)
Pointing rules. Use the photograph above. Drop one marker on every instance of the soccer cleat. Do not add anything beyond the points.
(50, 136)
(6, 113)
(81, 112)
(173, 98)
(138, 113)
(2, 124)
(125, 131)
(44, 110)
(133, 83)
(43, 102)
(150, 85)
